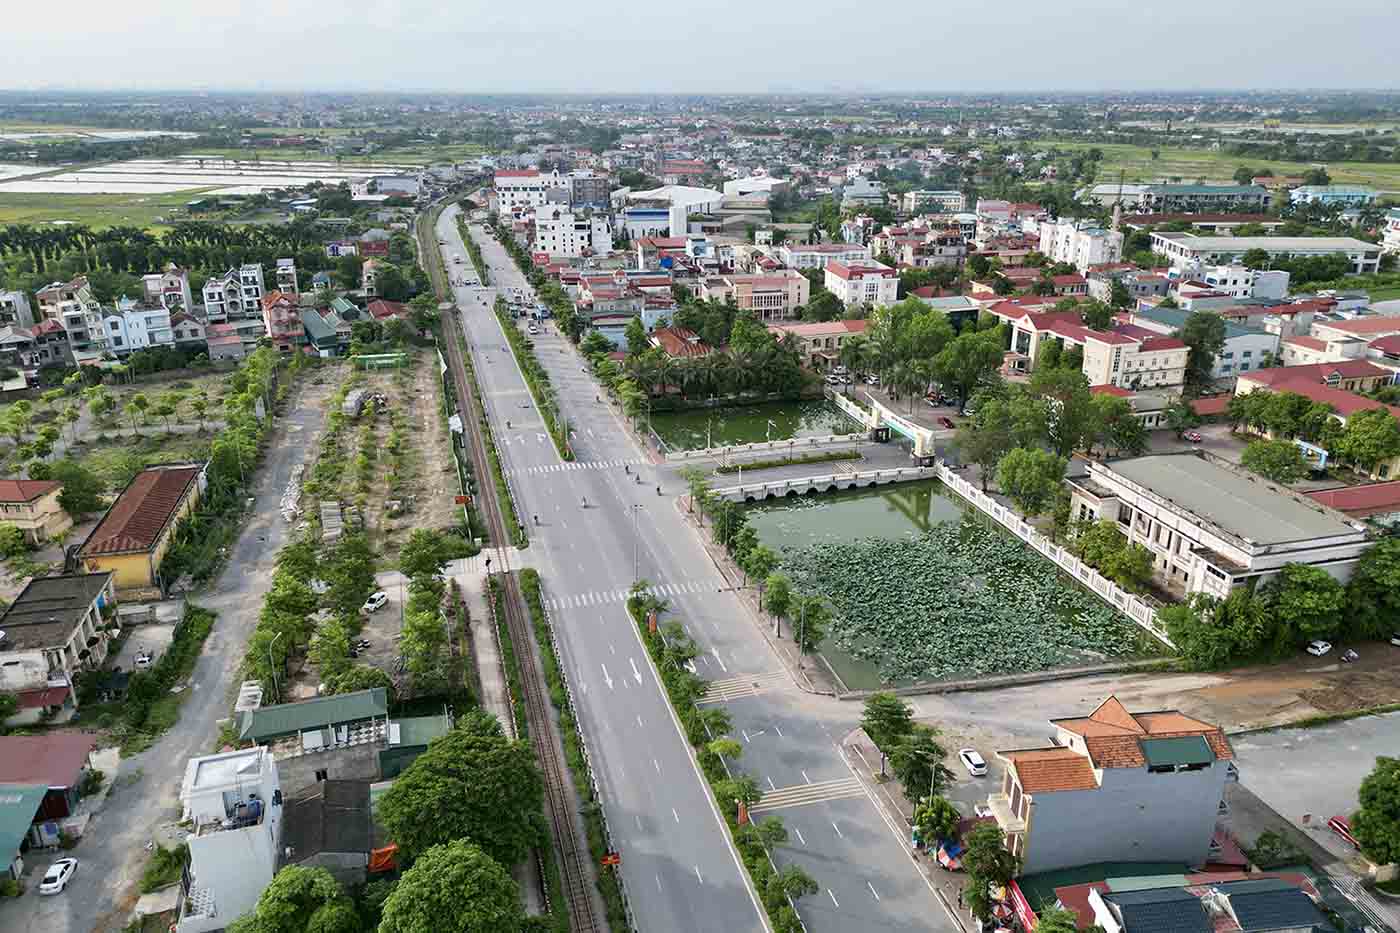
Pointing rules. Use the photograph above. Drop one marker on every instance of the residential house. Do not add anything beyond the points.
(1139, 283)
(862, 192)
(319, 330)
(72, 304)
(287, 277)
(132, 326)
(1246, 348)
(369, 278)
(234, 295)
(15, 310)
(1250, 904)
(1131, 358)
(50, 346)
(31, 505)
(224, 343)
(946, 249)
(339, 736)
(679, 343)
(57, 761)
(1080, 243)
(168, 289)
(382, 310)
(940, 202)
(1186, 250)
(862, 282)
(659, 252)
(234, 802)
(819, 345)
(1390, 242)
(1378, 503)
(330, 825)
(1211, 527)
(281, 316)
(188, 331)
(817, 255)
(1239, 281)
(130, 541)
(55, 627)
(1151, 785)
(771, 296)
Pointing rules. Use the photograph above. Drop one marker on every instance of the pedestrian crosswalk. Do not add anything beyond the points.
(801, 795)
(609, 597)
(747, 685)
(575, 465)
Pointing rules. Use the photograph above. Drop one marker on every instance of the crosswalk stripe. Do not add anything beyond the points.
(801, 795)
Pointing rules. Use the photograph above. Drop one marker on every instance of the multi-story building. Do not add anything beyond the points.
(369, 278)
(863, 282)
(1211, 528)
(55, 627)
(1129, 358)
(771, 296)
(1391, 241)
(529, 187)
(31, 505)
(1246, 347)
(287, 277)
(50, 346)
(1333, 195)
(941, 202)
(134, 325)
(73, 305)
(819, 345)
(15, 310)
(755, 184)
(937, 249)
(863, 192)
(640, 222)
(817, 255)
(282, 318)
(235, 295)
(1187, 251)
(233, 800)
(560, 232)
(169, 288)
(188, 330)
(1080, 243)
(589, 189)
(1239, 281)
(1152, 786)
(1185, 199)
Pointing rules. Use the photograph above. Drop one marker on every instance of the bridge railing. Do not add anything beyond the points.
(794, 445)
(782, 487)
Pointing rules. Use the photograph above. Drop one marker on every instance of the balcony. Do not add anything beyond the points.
(241, 816)
(1009, 822)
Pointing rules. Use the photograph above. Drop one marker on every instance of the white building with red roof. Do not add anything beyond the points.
(862, 282)
(817, 255)
(525, 188)
(819, 344)
(1131, 357)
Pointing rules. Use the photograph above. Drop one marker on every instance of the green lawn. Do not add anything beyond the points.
(95, 210)
(1192, 164)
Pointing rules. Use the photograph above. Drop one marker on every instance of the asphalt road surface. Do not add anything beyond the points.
(679, 868)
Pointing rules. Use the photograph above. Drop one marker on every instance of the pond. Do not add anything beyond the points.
(749, 424)
(926, 588)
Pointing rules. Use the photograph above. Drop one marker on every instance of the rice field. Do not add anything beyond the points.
(212, 174)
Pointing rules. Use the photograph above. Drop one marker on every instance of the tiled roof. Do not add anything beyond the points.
(1389, 345)
(1362, 326)
(1308, 343)
(54, 758)
(1048, 770)
(1111, 733)
(1155, 344)
(1344, 403)
(141, 513)
(1361, 500)
(1318, 372)
(823, 329)
(677, 341)
(26, 490)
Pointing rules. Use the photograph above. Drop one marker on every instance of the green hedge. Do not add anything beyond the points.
(538, 381)
(824, 457)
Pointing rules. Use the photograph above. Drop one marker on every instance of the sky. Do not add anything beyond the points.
(719, 46)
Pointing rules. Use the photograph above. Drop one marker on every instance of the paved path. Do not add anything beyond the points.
(146, 792)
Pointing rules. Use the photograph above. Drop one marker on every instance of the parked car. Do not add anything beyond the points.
(1349, 656)
(144, 660)
(58, 876)
(375, 602)
(1193, 436)
(532, 329)
(1318, 648)
(973, 761)
(1395, 639)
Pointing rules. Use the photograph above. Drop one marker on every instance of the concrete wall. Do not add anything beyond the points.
(1135, 816)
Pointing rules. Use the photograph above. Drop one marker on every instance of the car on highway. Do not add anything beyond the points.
(532, 329)
(973, 761)
(58, 876)
(1319, 647)
(375, 602)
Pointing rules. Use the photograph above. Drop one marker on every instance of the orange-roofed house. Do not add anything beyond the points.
(132, 538)
(31, 505)
(1115, 787)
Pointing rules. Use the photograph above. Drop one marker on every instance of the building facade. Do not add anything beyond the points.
(772, 296)
(1186, 199)
(819, 345)
(31, 505)
(282, 318)
(1186, 250)
(72, 304)
(168, 289)
(56, 627)
(1080, 243)
(15, 310)
(287, 277)
(131, 539)
(862, 283)
(817, 255)
(235, 295)
(941, 202)
(1333, 195)
(529, 187)
(132, 326)
(560, 232)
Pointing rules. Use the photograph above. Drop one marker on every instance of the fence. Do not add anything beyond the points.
(832, 481)
(790, 446)
(1132, 606)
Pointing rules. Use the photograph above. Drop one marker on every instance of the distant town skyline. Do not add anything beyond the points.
(725, 47)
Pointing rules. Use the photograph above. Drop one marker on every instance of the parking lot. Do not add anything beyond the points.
(153, 639)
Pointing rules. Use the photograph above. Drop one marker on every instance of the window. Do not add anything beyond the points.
(1247, 354)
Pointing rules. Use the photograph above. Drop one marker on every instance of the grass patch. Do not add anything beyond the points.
(473, 251)
(508, 659)
(824, 457)
(164, 867)
(116, 459)
(149, 211)
(574, 752)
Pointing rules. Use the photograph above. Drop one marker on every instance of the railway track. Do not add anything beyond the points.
(572, 849)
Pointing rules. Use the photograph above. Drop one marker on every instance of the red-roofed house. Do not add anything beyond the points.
(282, 318)
(819, 345)
(56, 760)
(1126, 359)
(132, 538)
(679, 343)
(772, 296)
(382, 310)
(1145, 783)
(31, 505)
(1074, 284)
(862, 282)
(1377, 501)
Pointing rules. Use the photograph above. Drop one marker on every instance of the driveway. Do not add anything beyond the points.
(145, 795)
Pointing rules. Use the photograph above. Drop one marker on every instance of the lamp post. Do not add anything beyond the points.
(768, 432)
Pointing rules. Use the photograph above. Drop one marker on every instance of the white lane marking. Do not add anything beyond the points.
(771, 785)
(779, 731)
(658, 882)
(721, 662)
(799, 835)
(806, 778)
(872, 890)
(639, 820)
(635, 673)
(675, 814)
(606, 678)
(745, 733)
(612, 648)
(833, 898)
(838, 830)
(697, 874)
(639, 721)
(656, 766)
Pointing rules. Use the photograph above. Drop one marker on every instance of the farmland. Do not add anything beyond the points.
(1189, 165)
(150, 211)
(961, 600)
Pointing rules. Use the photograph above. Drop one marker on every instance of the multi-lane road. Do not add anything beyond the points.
(680, 871)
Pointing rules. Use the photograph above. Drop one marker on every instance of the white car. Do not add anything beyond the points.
(973, 761)
(1318, 648)
(375, 602)
(58, 876)
(1395, 639)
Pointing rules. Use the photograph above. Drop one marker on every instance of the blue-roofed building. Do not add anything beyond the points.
(1151, 910)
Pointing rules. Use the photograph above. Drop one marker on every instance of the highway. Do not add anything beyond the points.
(679, 868)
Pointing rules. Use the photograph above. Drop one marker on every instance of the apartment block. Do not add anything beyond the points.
(15, 310)
(287, 277)
(1080, 243)
(817, 255)
(1186, 250)
(515, 188)
(862, 282)
(1183, 198)
(941, 202)
(560, 232)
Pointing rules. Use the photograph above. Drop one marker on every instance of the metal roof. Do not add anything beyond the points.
(289, 718)
(1271, 904)
(18, 805)
(1163, 910)
(1182, 750)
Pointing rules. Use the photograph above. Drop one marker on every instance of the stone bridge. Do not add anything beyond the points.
(830, 482)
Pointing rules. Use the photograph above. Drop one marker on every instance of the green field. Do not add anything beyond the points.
(1190, 165)
(95, 210)
(414, 155)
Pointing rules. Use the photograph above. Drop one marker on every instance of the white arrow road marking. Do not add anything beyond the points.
(872, 890)
(635, 673)
(721, 662)
(838, 830)
(799, 835)
(833, 898)
(606, 678)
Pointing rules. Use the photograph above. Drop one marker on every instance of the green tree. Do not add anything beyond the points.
(1256, 259)
(471, 783)
(810, 618)
(1306, 602)
(917, 760)
(887, 720)
(1075, 421)
(1119, 296)
(637, 340)
(1278, 460)
(1097, 315)
(330, 649)
(777, 598)
(82, 490)
(300, 899)
(1373, 593)
(1056, 920)
(936, 819)
(987, 439)
(968, 360)
(988, 865)
(1370, 437)
(426, 552)
(355, 677)
(454, 888)
(595, 343)
(1376, 822)
(347, 272)
(1204, 335)
(758, 562)
(1031, 478)
(1181, 417)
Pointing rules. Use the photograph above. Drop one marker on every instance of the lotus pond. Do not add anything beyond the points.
(924, 588)
(749, 424)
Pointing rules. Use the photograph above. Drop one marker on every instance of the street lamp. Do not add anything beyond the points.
(272, 665)
(768, 432)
